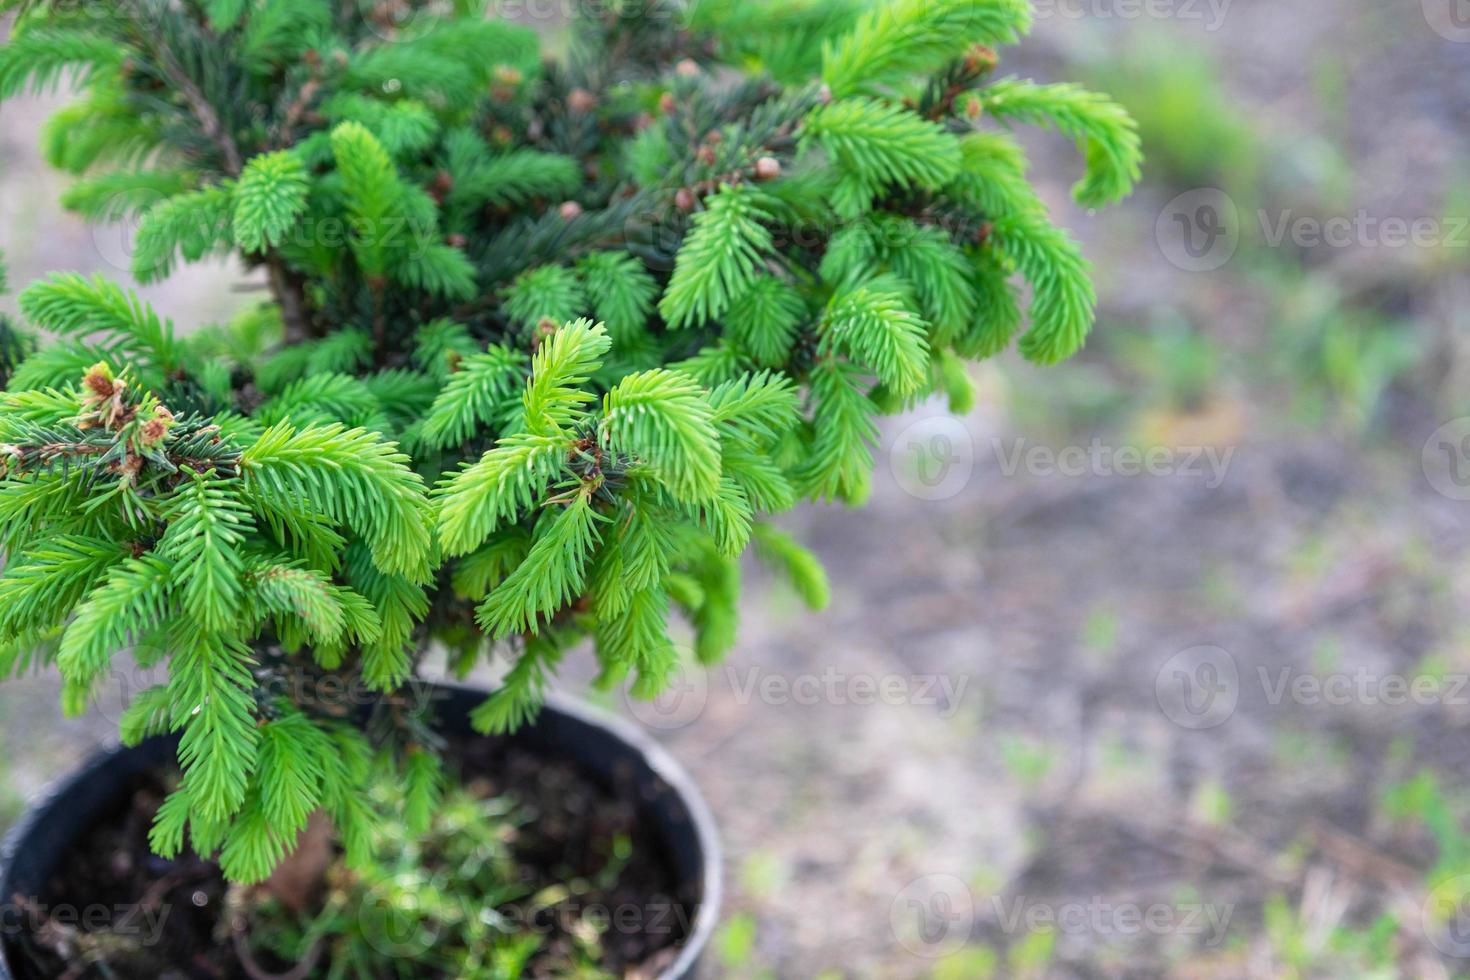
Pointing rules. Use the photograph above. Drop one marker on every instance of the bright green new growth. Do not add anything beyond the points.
(546, 346)
(130, 526)
(270, 197)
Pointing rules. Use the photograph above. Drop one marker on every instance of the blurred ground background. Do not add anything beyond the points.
(1064, 719)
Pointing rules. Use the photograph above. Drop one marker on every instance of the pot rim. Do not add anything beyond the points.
(671, 771)
(660, 762)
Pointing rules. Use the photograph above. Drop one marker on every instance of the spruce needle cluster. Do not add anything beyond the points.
(547, 343)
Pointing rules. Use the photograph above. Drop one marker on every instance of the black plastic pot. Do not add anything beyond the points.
(609, 750)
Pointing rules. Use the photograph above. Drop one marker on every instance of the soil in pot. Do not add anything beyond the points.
(579, 887)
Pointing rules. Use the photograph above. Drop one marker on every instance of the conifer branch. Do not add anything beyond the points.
(614, 309)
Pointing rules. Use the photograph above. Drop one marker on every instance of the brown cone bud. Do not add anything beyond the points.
(157, 427)
(581, 100)
(767, 168)
(980, 58)
(684, 199)
(569, 210)
(98, 380)
(10, 456)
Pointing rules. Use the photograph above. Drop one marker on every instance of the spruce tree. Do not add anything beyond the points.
(547, 342)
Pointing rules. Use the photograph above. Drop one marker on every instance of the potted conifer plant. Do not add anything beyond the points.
(547, 339)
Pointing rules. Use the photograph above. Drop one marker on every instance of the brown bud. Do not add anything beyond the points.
(569, 210)
(666, 103)
(581, 100)
(153, 431)
(974, 108)
(502, 135)
(443, 182)
(684, 199)
(545, 327)
(130, 468)
(508, 75)
(99, 381)
(980, 58)
(10, 456)
(688, 68)
(705, 155)
(714, 137)
(457, 240)
(767, 168)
